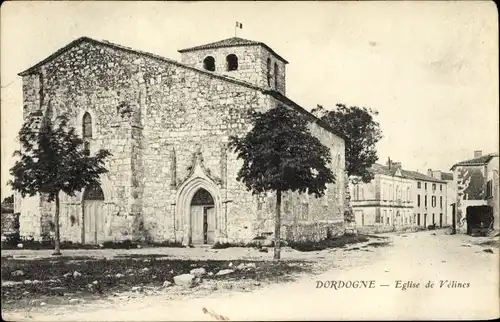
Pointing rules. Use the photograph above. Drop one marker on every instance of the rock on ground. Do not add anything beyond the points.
(198, 272)
(224, 272)
(186, 280)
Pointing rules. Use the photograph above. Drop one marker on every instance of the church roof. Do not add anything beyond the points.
(482, 160)
(278, 96)
(232, 42)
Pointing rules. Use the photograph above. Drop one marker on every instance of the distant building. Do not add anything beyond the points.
(397, 199)
(476, 198)
(430, 193)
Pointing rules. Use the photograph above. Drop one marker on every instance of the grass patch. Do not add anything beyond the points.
(335, 242)
(378, 244)
(54, 277)
(490, 243)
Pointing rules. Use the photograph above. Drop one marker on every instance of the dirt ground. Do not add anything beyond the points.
(465, 278)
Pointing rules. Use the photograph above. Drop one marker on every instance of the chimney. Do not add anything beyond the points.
(437, 174)
(429, 173)
(478, 153)
(389, 163)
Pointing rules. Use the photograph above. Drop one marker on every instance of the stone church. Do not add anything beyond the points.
(167, 124)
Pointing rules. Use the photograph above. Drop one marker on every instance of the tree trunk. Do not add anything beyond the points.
(57, 250)
(277, 227)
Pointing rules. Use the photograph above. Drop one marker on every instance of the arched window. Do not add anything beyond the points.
(232, 62)
(275, 76)
(87, 126)
(209, 63)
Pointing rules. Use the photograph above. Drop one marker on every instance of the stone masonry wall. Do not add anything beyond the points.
(252, 64)
(155, 116)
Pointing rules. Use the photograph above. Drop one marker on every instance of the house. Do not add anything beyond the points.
(167, 124)
(398, 199)
(476, 200)
(430, 198)
(386, 200)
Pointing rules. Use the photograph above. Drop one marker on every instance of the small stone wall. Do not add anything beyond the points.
(312, 231)
(10, 223)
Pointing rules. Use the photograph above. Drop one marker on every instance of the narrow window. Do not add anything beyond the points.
(425, 201)
(87, 126)
(232, 62)
(441, 202)
(209, 63)
(275, 76)
(86, 148)
(419, 185)
(418, 200)
(425, 185)
(269, 71)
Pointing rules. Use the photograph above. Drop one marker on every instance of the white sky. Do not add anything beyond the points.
(429, 68)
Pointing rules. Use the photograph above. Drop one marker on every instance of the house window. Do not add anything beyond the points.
(209, 63)
(377, 218)
(87, 126)
(418, 219)
(489, 189)
(418, 200)
(385, 216)
(433, 186)
(441, 201)
(433, 219)
(440, 187)
(232, 62)
(269, 71)
(419, 185)
(433, 201)
(275, 76)
(425, 201)
(425, 186)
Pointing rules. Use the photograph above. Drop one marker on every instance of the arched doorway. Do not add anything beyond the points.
(202, 213)
(93, 215)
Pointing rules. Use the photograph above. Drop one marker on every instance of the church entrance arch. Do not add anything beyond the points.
(198, 207)
(93, 215)
(202, 212)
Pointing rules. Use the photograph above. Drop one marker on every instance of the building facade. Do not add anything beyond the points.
(476, 199)
(398, 199)
(167, 124)
(430, 198)
(386, 202)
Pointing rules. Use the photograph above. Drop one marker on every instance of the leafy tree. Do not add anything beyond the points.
(361, 132)
(8, 200)
(280, 154)
(8, 204)
(53, 159)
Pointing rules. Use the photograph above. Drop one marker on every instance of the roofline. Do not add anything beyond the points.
(235, 45)
(490, 156)
(108, 44)
(137, 52)
(286, 100)
(408, 176)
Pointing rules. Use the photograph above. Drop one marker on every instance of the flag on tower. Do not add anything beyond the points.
(239, 25)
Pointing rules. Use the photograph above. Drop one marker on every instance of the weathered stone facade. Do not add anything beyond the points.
(167, 125)
(476, 184)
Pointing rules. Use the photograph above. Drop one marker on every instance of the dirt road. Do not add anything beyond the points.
(464, 276)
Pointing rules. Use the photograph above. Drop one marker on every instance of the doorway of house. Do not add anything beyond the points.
(93, 215)
(202, 218)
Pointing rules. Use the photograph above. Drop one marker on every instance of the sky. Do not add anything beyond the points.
(430, 69)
